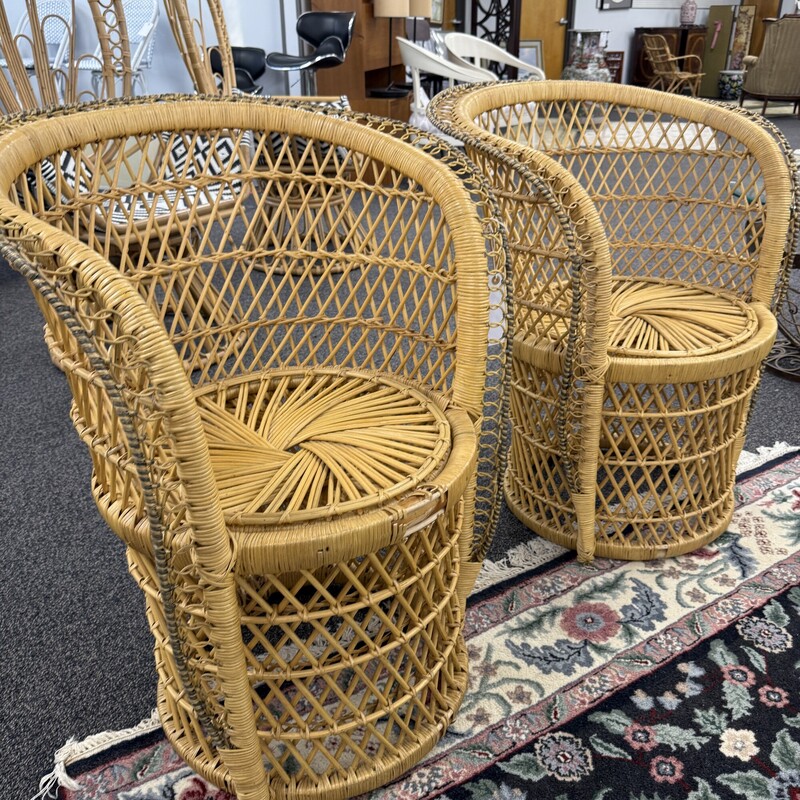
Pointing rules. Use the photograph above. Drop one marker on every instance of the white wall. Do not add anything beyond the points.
(255, 23)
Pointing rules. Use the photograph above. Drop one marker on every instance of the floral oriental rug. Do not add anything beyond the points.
(625, 680)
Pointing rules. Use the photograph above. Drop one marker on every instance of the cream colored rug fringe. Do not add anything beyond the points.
(519, 559)
(73, 751)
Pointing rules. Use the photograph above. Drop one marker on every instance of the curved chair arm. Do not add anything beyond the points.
(689, 58)
(562, 267)
(469, 50)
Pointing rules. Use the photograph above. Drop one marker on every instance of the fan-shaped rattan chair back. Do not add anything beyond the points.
(671, 73)
(37, 65)
(125, 48)
(299, 509)
(54, 23)
(196, 43)
(650, 236)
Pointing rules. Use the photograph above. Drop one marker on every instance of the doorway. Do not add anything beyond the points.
(547, 21)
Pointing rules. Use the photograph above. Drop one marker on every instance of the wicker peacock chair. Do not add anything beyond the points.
(302, 510)
(650, 236)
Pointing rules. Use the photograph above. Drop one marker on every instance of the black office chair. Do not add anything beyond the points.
(249, 64)
(328, 33)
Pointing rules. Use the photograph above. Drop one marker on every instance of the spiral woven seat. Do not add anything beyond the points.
(650, 236)
(663, 319)
(292, 446)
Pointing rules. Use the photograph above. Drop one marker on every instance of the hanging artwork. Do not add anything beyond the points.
(530, 51)
(743, 30)
(607, 5)
(717, 47)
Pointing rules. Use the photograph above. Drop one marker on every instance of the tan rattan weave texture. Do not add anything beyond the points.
(189, 22)
(650, 237)
(289, 454)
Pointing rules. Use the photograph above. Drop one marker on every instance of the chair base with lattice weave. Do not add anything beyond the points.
(684, 363)
(343, 491)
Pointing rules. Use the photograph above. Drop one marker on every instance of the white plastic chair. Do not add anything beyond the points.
(467, 50)
(141, 19)
(418, 59)
(56, 19)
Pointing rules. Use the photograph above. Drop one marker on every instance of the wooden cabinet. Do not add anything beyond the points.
(683, 41)
(367, 61)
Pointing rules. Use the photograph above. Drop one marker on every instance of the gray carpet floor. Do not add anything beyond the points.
(75, 650)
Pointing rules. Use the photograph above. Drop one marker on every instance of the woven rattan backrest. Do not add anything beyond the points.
(685, 189)
(657, 51)
(188, 20)
(241, 286)
(115, 47)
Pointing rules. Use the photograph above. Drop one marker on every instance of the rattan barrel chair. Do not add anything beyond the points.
(671, 73)
(650, 237)
(303, 513)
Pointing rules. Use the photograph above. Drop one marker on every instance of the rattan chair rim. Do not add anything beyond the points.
(454, 111)
(45, 133)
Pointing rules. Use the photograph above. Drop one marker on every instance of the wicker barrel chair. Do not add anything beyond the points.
(648, 233)
(303, 512)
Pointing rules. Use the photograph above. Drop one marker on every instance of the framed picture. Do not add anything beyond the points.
(607, 5)
(530, 51)
(436, 12)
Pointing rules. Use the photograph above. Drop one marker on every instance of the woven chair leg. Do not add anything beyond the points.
(585, 514)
